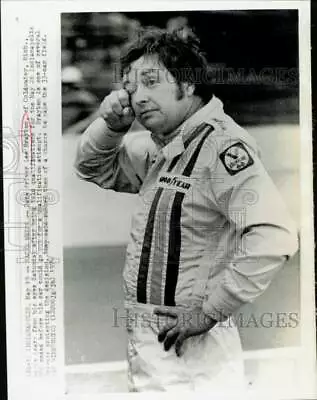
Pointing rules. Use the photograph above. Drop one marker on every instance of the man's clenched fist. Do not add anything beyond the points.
(117, 111)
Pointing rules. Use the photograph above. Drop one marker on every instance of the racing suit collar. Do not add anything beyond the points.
(173, 144)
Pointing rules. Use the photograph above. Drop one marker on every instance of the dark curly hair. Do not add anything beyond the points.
(182, 57)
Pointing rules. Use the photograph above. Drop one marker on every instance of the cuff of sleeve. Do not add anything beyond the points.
(109, 143)
(211, 311)
(106, 139)
(221, 305)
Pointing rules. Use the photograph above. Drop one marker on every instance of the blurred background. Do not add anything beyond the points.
(263, 46)
(262, 43)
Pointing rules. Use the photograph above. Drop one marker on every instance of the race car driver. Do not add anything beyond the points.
(210, 230)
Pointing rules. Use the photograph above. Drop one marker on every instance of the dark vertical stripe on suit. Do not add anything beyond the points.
(195, 133)
(191, 163)
(147, 242)
(174, 248)
(174, 243)
(173, 163)
(146, 250)
(162, 223)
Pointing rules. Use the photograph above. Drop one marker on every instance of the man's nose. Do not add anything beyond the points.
(141, 95)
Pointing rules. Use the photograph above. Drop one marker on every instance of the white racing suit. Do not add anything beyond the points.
(210, 230)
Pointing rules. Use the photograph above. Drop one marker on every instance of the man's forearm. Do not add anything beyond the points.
(96, 153)
(100, 136)
(102, 160)
(251, 271)
(241, 283)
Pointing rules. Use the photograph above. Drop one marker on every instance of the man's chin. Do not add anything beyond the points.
(152, 126)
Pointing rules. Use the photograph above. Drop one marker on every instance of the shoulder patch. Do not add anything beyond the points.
(236, 158)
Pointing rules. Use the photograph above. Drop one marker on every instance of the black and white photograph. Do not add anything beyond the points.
(181, 213)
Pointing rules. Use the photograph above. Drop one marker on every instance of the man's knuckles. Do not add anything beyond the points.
(123, 97)
(115, 102)
(115, 111)
(115, 107)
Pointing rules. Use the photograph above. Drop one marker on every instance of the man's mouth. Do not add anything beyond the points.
(146, 112)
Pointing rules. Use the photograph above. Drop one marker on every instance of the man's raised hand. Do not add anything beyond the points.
(116, 110)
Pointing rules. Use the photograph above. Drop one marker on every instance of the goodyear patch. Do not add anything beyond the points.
(177, 182)
(236, 158)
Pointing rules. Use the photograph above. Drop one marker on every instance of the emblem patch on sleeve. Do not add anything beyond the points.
(236, 158)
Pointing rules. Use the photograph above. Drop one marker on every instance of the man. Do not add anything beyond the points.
(210, 230)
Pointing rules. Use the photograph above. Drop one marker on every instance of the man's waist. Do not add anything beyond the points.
(136, 306)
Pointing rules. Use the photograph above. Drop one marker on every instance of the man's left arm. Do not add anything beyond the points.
(265, 237)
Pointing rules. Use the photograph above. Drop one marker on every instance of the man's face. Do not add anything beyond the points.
(158, 102)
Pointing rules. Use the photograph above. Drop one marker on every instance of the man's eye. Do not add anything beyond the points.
(150, 81)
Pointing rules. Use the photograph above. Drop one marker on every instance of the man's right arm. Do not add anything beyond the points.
(102, 159)
(101, 156)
